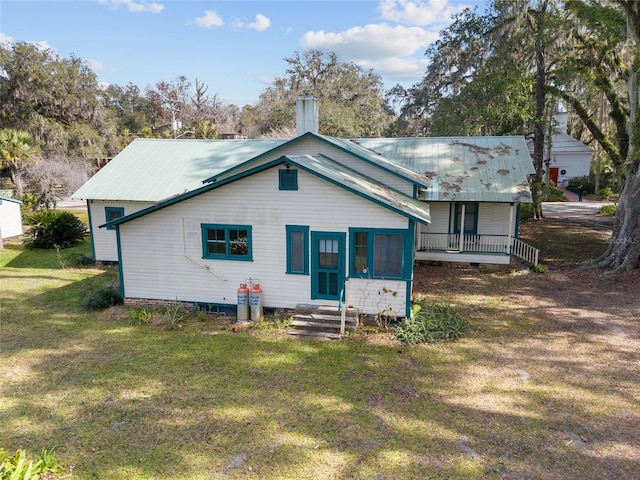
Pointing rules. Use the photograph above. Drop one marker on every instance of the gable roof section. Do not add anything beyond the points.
(486, 169)
(323, 167)
(151, 170)
(564, 144)
(348, 146)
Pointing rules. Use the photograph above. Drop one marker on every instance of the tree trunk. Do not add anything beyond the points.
(623, 252)
(540, 120)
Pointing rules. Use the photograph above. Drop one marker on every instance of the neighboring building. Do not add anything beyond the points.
(569, 158)
(10, 217)
(189, 220)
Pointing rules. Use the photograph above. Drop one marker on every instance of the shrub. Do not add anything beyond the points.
(102, 298)
(140, 316)
(54, 229)
(538, 269)
(553, 194)
(526, 211)
(431, 324)
(609, 209)
(604, 193)
(588, 184)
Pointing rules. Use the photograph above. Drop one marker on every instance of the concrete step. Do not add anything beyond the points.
(322, 321)
(309, 333)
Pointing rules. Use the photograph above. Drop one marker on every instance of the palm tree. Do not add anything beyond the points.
(16, 150)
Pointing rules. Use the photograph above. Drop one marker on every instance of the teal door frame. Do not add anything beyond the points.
(328, 264)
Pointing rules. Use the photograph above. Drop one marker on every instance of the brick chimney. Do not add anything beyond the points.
(306, 114)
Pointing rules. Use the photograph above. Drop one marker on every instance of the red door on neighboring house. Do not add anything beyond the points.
(553, 174)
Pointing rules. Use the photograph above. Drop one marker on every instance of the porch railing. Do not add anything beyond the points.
(491, 244)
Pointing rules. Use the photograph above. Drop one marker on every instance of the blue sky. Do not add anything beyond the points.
(234, 47)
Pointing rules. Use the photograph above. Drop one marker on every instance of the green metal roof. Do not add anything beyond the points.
(320, 166)
(155, 169)
(489, 169)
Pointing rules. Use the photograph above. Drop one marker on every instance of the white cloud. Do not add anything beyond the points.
(391, 51)
(261, 23)
(429, 13)
(140, 6)
(209, 19)
(5, 39)
(371, 41)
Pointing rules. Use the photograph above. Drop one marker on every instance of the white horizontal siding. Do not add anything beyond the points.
(378, 297)
(104, 241)
(439, 218)
(493, 219)
(161, 251)
(10, 218)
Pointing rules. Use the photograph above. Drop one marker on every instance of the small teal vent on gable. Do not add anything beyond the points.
(288, 179)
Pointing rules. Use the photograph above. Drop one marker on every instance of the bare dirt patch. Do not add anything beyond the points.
(559, 347)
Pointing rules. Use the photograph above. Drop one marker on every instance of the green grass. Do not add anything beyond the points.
(123, 401)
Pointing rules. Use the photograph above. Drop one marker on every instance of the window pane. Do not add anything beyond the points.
(297, 251)
(328, 253)
(388, 254)
(361, 251)
(216, 242)
(333, 283)
(322, 283)
(238, 242)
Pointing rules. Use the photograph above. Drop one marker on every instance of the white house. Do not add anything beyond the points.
(569, 158)
(10, 217)
(313, 219)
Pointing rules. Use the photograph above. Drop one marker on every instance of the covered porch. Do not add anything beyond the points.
(474, 248)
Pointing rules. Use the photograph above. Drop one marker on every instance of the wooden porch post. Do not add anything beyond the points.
(509, 236)
(462, 213)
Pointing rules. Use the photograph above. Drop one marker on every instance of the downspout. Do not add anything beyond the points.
(201, 265)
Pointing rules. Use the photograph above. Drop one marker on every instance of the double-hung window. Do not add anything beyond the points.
(470, 218)
(226, 242)
(378, 253)
(297, 249)
(113, 213)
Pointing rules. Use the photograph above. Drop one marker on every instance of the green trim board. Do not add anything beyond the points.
(297, 242)
(90, 220)
(322, 167)
(120, 266)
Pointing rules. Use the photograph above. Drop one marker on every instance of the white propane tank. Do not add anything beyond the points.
(243, 303)
(255, 302)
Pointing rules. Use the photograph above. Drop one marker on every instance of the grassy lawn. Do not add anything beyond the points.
(536, 389)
